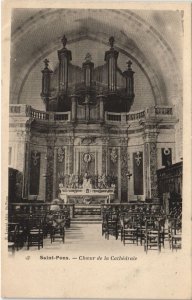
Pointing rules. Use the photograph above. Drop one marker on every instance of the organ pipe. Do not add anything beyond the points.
(46, 83)
(65, 57)
(88, 67)
(129, 77)
(111, 59)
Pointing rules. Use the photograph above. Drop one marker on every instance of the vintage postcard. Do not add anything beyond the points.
(96, 150)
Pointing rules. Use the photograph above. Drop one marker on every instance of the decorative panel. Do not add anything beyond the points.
(166, 155)
(60, 166)
(124, 171)
(113, 166)
(104, 159)
(50, 170)
(88, 163)
(113, 161)
(34, 172)
(150, 148)
(69, 158)
(138, 173)
(153, 169)
(147, 170)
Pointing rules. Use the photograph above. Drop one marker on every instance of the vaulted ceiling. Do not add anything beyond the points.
(152, 39)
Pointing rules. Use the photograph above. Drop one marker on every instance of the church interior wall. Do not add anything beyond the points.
(116, 144)
(93, 144)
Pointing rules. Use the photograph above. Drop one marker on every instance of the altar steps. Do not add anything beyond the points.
(87, 210)
(86, 219)
(87, 214)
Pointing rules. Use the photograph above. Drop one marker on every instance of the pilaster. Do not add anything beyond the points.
(104, 155)
(124, 168)
(51, 139)
(150, 153)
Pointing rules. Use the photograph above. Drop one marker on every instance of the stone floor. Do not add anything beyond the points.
(87, 238)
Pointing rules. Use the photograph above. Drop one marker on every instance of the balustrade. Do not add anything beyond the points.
(138, 115)
(21, 109)
(15, 109)
(113, 117)
(37, 114)
(61, 116)
(135, 116)
(163, 110)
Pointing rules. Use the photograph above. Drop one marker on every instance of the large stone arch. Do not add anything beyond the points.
(133, 54)
(128, 21)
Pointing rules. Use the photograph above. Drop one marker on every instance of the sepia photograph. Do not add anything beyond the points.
(95, 143)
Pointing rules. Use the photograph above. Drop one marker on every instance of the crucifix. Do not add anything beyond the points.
(138, 158)
(129, 63)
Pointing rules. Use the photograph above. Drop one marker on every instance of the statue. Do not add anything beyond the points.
(114, 155)
(61, 185)
(87, 183)
(71, 180)
(103, 182)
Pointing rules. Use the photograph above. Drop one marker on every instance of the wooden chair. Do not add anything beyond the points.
(35, 238)
(16, 235)
(175, 234)
(141, 229)
(152, 236)
(48, 223)
(58, 230)
(112, 220)
(66, 215)
(58, 226)
(129, 231)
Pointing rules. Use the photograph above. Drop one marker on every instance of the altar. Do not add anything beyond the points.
(87, 196)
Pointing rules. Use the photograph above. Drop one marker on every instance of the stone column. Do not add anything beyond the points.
(150, 164)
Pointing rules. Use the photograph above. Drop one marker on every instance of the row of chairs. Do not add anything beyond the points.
(150, 230)
(31, 230)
